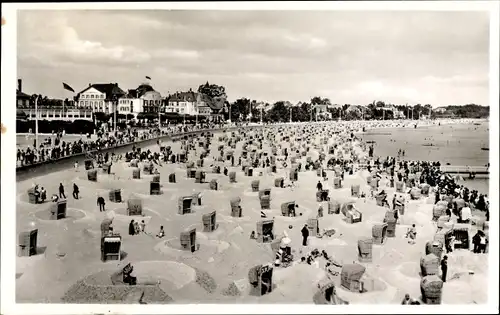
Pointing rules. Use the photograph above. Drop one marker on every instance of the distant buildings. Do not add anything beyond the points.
(143, 99)
(23, 99)
(48, 109)
(101, 97)
(192, 103)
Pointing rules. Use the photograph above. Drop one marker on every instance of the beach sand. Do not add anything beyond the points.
(225, 255)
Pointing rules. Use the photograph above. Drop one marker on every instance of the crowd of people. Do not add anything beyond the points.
(54, 147)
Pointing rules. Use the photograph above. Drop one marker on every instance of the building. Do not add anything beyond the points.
(58, 113)
(23, 99)
(127, 103)
(48, 109)
(183, 103)
(102, 97)
(143, 99)
(193, 103)
(440, 110)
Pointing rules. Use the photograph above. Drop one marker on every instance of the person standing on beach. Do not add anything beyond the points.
(101, 203)
(61, 191)
(319, 186)
(305, 235)
(76, 190)
(444, 268)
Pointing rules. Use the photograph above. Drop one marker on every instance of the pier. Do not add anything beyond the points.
(461, 169)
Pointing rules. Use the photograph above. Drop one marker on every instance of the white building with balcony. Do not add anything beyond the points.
(100, 97)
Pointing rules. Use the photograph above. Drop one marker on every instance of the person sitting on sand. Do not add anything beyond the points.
(407, 300)
(412, 234)
(330, 270)
(161, 233)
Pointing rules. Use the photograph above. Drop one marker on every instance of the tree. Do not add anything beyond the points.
(279, 112)
(212, 90)
(353, 114)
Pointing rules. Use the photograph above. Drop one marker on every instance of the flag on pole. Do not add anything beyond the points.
(67, 87)
(149, 78)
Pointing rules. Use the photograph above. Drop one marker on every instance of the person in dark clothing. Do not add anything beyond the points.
(476, 240)
(101, 203)
(131, 228)
(444, 268)
(76, 190)
(61, 191)
(438, 197)
(319, 186)
(305, 235)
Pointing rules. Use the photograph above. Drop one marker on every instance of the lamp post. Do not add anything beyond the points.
(36, 121)
(115, 109)
(159, 115)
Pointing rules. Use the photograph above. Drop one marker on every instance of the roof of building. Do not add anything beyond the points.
(20, 94)
(143, 89)
(110, 89)
(190, 96)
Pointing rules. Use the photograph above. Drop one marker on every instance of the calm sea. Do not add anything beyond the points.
(453, 144)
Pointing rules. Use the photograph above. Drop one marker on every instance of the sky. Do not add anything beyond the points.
(350, 57)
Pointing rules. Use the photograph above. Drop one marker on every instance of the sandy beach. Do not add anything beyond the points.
(71, 263)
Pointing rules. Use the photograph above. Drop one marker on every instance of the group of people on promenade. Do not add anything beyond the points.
(53, 150)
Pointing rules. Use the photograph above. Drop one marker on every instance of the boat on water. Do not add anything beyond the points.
(477, 124)
(485, 149)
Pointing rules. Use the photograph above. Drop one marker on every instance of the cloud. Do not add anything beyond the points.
(351, 57)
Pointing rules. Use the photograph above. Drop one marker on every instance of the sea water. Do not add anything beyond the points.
(454, 144)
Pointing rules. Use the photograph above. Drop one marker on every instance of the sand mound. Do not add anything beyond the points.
(72, 214)
(410, 269)
(297, 282)
(237, 288)
(205, 281)
(87, 233)
(88, 290)
(176, 273)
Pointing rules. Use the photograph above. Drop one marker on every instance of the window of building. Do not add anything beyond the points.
(86, 103)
